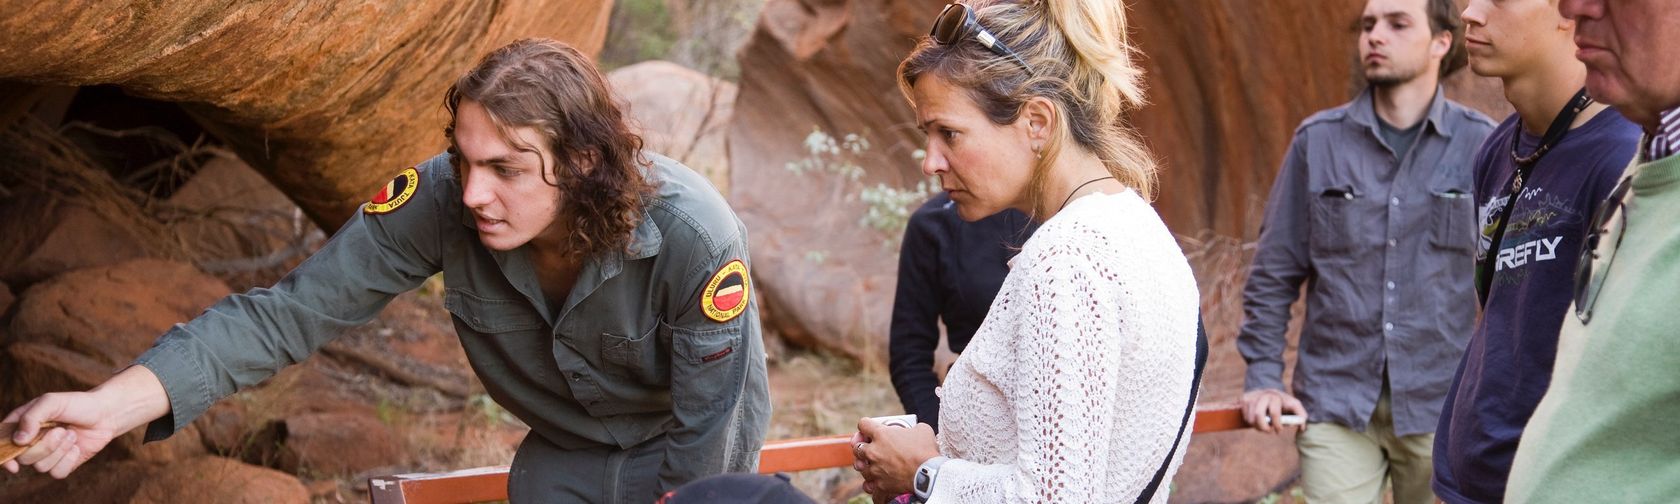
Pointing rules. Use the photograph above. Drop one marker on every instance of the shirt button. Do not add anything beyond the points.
(1388, 326)
(577, 376)
(1391, 285)
(1395, 201)
(1391, 243)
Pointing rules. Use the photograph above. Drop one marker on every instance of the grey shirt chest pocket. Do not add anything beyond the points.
(643, 357)
(1453, 219)
(491, 316)
(1334, 229)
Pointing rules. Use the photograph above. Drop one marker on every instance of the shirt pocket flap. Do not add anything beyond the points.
(491, 315)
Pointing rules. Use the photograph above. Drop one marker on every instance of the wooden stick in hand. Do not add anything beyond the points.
(10, 450)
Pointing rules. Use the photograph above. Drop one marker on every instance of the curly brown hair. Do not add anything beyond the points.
(551, 87)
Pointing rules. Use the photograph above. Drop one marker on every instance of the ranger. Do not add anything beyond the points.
(602, 294)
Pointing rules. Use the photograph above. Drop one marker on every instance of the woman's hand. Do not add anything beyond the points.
(87, 420)
(887, 457)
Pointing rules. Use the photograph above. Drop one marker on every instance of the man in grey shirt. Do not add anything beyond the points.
(1372, 210)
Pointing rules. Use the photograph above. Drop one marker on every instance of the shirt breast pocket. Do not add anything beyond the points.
(491, 316)
(1334, 213)
(641, 357)
(1453, 220)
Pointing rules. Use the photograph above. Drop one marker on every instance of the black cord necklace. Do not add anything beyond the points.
(1554, 134)
(1076, 191)
(1525, 165)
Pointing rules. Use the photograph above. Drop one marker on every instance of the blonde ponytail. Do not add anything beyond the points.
(1096, 32)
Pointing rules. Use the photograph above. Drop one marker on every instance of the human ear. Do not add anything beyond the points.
(1040, 118)
(1441, 45)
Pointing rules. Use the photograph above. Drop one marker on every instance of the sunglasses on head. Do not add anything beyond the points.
(1589, 275)
(957, 22)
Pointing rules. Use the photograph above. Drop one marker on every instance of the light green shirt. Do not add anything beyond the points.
(1607, 429)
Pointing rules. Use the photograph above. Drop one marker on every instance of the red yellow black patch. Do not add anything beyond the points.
(727, 293)
(395, 194)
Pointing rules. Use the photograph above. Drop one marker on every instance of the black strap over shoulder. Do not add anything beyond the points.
(1189, 408)
(1525, 167)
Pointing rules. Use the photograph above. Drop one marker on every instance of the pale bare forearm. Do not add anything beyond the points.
(132, 398)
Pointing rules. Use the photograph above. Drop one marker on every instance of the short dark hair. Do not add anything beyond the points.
(1444, 16)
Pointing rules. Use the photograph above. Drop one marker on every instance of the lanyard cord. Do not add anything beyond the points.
(1525, 166)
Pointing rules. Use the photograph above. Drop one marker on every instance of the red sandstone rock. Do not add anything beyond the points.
(236, 221)
(201, 479)
(212, 479)
(97, 481)
(66, 237)
(1223, 109)
(1240, 466)
(335, 444)
(327, 99)
(113, 313)
(6, 299)
(681, 113)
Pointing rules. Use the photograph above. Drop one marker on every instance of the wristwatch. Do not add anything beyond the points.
(922, 488)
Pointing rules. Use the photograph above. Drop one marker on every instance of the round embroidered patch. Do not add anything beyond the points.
(727, 293)
(395, 194)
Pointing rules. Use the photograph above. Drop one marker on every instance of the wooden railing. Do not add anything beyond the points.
(791, 455)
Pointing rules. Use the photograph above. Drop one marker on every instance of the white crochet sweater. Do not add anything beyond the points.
(1075, 385)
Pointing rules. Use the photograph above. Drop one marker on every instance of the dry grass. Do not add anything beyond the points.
(1220, 264)
(41, 159)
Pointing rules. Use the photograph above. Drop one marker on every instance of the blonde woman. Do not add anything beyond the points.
(1077, 386)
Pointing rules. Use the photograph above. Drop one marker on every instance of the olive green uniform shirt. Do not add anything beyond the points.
(630, 355)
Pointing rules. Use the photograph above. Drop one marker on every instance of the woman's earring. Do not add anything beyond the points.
(1038, 153)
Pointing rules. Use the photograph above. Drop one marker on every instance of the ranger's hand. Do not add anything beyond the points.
(79, 435)
(87, 421)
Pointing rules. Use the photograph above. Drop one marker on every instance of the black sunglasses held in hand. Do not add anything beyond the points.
(957, 22)
(1589, 276)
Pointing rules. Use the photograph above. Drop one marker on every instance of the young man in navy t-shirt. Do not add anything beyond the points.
(1527, 253)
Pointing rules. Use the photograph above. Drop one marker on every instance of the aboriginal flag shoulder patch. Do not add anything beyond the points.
(727, 293)
(395, 194)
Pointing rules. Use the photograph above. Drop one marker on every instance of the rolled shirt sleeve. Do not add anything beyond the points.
(246, 338)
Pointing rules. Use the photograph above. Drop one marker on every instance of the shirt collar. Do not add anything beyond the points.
(1364, 112)
(1665, 140)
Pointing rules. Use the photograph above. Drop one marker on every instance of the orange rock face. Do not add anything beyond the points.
(680, 113)
(1228, 81)
(327, 99)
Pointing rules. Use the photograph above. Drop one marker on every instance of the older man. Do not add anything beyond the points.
(1605, 430)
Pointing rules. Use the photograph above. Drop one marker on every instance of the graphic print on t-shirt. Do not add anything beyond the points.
(1535, 233)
